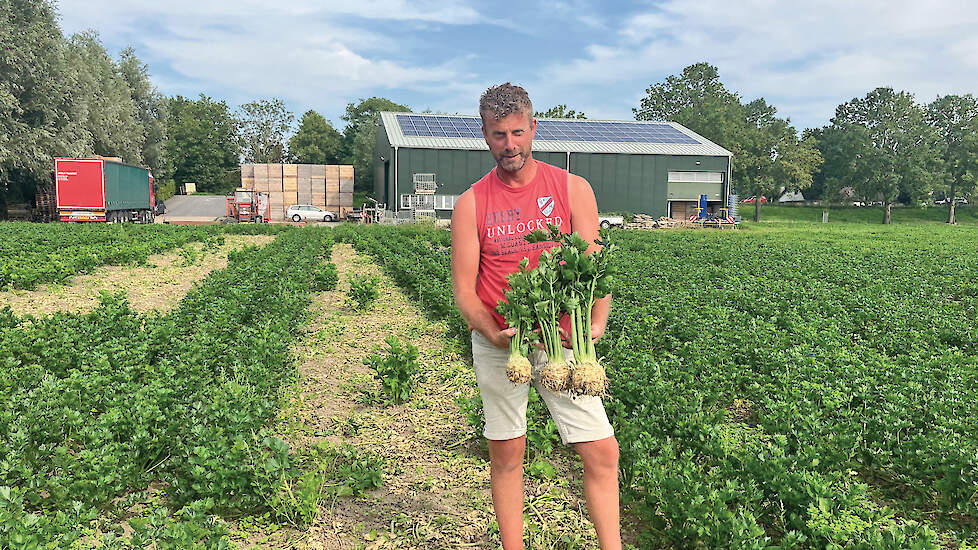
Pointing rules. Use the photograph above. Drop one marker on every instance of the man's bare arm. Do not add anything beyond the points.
(465, 270)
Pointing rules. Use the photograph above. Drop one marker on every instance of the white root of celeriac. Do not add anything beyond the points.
(518, 370)
(556, 377)
(588, 378)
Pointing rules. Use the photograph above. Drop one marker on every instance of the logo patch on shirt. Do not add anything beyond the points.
(546, 205)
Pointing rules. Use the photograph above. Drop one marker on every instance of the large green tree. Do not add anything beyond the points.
(833, 181)
(699, 101)
(897, 153)
(201, 141)
(815, 191)
(560, 111)
(264, 125)
(107, 109)
(360, 136)
(955, 118)
(150, 110)
(38, 109)
(767, 155)
(316, 141)
(771, 158)
(63, 97)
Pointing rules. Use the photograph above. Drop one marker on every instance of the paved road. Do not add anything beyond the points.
(195, 206)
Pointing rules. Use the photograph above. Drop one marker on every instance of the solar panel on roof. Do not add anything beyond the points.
(548, 130)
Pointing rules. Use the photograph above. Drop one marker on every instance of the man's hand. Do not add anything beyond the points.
(501, 338)
(597, 331)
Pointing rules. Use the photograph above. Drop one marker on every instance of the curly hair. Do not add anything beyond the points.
(503, 100)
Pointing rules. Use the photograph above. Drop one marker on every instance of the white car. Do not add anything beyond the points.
(308, 212)
(607, 221)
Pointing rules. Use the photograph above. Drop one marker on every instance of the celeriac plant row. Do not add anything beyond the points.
(96, 405)
(33, 254)
(778, 388)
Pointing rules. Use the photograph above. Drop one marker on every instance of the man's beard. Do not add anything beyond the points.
(514, 164)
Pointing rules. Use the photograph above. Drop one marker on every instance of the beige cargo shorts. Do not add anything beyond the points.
(578, 419)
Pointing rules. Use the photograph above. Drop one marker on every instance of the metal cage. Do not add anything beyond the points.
(424, 184)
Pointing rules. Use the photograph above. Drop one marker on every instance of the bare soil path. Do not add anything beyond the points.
(435, 491)
(158, 285)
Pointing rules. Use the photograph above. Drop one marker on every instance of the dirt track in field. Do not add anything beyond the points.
(159, 285)
(435, 492)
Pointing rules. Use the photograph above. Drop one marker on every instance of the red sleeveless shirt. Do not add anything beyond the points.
(504, 216)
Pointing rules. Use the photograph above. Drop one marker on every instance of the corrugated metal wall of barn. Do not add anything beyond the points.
(621, 182)
(456, 170)
(637, 183)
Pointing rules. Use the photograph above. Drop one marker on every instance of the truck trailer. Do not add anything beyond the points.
(103, 190)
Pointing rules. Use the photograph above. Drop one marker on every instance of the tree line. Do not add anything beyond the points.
(207, 141)
(66, 96)
(881, 148)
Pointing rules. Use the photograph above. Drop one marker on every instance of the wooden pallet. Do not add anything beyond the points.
(643, 221)
(46, 206)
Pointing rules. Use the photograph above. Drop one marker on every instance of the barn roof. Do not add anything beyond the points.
(436, 131)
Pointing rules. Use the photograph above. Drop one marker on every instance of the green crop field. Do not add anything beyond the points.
(804, 387)
(784, 385)
(96, 405)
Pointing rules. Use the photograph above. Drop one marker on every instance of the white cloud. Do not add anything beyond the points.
(108, 13)
(804, 57)
(311, 54)
(439, 11)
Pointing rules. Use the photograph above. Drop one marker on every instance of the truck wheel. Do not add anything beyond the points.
(296, 218)
(605, 224)
(259, 219)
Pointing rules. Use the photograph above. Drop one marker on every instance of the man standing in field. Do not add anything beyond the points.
(518, 196)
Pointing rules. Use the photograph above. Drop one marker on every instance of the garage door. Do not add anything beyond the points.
(684, 186)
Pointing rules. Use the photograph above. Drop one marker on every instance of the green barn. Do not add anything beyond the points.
(656, 168)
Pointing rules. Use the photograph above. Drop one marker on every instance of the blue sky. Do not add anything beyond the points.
(598, 57)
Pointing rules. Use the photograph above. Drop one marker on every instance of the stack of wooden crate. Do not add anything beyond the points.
(304, 183)
(346, 185)
(328, 186)
(278, 199)
(318, 186)
(261, 178)
(45, 209)
(332, 187)
(248, 176)
(290, 184)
